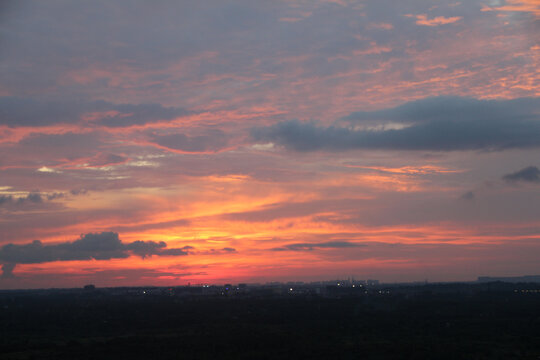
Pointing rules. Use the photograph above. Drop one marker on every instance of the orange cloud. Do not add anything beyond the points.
(423, 20)
(527, 6)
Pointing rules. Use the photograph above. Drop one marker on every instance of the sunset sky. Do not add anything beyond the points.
(166, 143)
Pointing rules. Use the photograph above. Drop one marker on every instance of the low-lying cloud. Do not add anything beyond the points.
(7, 270)
(529, 174)
(98, 246)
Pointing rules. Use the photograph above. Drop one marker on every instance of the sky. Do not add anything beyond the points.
(210, 142)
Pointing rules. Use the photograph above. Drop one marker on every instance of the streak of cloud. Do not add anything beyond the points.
(314, 246)
(17, 112)
(210, 141)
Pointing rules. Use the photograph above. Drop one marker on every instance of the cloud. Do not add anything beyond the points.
(149, 248)
(313, 246)
(526, 6)
(211, 141)
(225, 250)
(528, 174)
(34, 197)
(423, 20)
(379, 26)
(101, 160)
(438, 124)
(55, 195)
(7, 270)
(469, 195)
(450, 108)
(69, 145)
(98, 246)
(17, 112)
(146, 248)
(285, 210)
(78, 191)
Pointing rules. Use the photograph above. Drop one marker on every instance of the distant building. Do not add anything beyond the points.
(511, 279)
(89, 287)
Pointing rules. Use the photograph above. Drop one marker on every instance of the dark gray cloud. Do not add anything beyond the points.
(55, 195)
(211, 141)
(149, 248)
(313, 246)
(15, 112)
(450, 108)
(34, 197)
(139, 114)
(528, 174)
(440, 124)
(469, 195)
(7, 270)
(98, 246)
(107, 160)
(146, 248)
(68, 145)
(78, 191)
(225, 250)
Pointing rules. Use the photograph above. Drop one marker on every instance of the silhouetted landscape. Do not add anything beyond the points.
(197, 179)
(344, 320)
